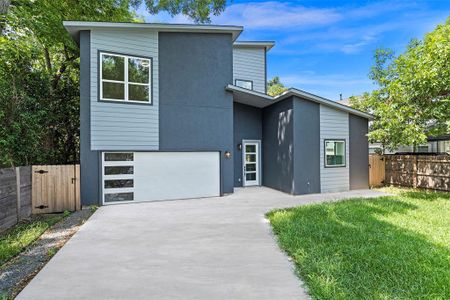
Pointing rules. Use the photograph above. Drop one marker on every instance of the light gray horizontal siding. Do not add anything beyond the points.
(249, 64)
(334, 125)
(121, 126)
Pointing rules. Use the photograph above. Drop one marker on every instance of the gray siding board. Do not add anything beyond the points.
(334, 125)
(89, 169)
(359, 153)
(247, 126)
(277, 146)
(107, 115)
(249, 64)
(306, 147)
(197, 115)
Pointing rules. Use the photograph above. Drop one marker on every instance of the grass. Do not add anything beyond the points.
(16, 239)
(395, 247)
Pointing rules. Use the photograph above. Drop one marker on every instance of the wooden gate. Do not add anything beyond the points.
(376, 170)
(55, 188)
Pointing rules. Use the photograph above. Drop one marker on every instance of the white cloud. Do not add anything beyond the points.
(276, 15)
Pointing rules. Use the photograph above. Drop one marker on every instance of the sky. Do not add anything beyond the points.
(326, 47)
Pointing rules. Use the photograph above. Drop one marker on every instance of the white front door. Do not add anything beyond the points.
(250, 162)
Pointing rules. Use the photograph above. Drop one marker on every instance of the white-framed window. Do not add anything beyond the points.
(125, 78)
(118, 177)
(334, 153)
(246, 84)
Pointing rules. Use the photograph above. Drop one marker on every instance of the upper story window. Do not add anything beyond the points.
(334, 153)
(246, 84)
(125, 78)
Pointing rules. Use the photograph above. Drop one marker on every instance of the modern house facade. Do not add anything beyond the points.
(172, 111)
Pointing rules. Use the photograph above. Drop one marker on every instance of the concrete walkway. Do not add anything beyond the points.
(212, 248)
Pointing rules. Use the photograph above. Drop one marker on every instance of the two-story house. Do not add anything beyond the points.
(174, 111)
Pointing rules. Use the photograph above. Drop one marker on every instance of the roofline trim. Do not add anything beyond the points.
(266, 44)
(73, 27)
(322, 100)
(302, 94)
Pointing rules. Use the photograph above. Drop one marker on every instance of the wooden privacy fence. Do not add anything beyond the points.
(56, 188)
(15, 195)
(376, 170)
(421, 171)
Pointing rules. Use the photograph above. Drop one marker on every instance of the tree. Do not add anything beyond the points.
(275, 87)
(413, 98)
(39, 71)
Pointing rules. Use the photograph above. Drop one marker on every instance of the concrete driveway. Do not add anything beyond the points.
(212, 248)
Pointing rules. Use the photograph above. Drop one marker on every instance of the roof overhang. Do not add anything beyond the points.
(249, 97)
(262, 100)
(74, 27)
(254, 44)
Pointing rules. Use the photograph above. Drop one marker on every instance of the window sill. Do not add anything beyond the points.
(126, 102)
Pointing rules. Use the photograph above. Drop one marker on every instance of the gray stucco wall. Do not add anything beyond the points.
(89, 160)
(359, 152)
(195, 111)
(306, 147)
(278, 146)
(247, 126)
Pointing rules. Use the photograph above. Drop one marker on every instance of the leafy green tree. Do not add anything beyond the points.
(275, 87)
(39, 71)
(413, 98)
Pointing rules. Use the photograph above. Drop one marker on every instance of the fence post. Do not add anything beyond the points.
(415, 171)
(18, 193)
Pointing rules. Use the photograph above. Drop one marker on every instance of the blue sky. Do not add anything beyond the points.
(326, 47)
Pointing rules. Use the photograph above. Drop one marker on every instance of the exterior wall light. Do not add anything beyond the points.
(227, 154)
(239, 146)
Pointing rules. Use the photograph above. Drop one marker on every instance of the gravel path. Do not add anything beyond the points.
(15, 274)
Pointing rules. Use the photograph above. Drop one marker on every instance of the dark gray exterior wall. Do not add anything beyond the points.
(306, 147)
(358, 152)
(89, 160)
(278, 146)
(247, 126)
(196, 113)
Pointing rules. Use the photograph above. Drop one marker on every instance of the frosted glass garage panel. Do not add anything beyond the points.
(176, 175)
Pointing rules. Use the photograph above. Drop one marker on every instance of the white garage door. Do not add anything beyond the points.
(152, 176)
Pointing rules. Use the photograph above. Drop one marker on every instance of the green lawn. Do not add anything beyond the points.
(395, 247)
(20, 236)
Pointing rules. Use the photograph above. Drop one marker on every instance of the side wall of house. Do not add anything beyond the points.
(195, 111)
(89, 159)
(118, 125)
(247, 126)
(359, 152)
(334, 125)
(306, 147)
(277, 146)
(250, 64)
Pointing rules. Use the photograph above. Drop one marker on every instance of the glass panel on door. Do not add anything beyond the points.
(251, 163)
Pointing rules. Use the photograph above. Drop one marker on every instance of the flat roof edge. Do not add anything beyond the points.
(75, 26)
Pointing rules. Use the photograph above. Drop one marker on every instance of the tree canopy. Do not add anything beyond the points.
(275, 87)
(413, 98)
(39, 71)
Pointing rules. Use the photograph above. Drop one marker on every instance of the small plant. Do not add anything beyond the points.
(66, 213)
(3, 297)
(51, 252)
(93, 208)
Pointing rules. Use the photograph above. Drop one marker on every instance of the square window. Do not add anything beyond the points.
(113, 67)
(334, 153)
(125, 78)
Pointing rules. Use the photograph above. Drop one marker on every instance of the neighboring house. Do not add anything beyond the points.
(180, 111)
